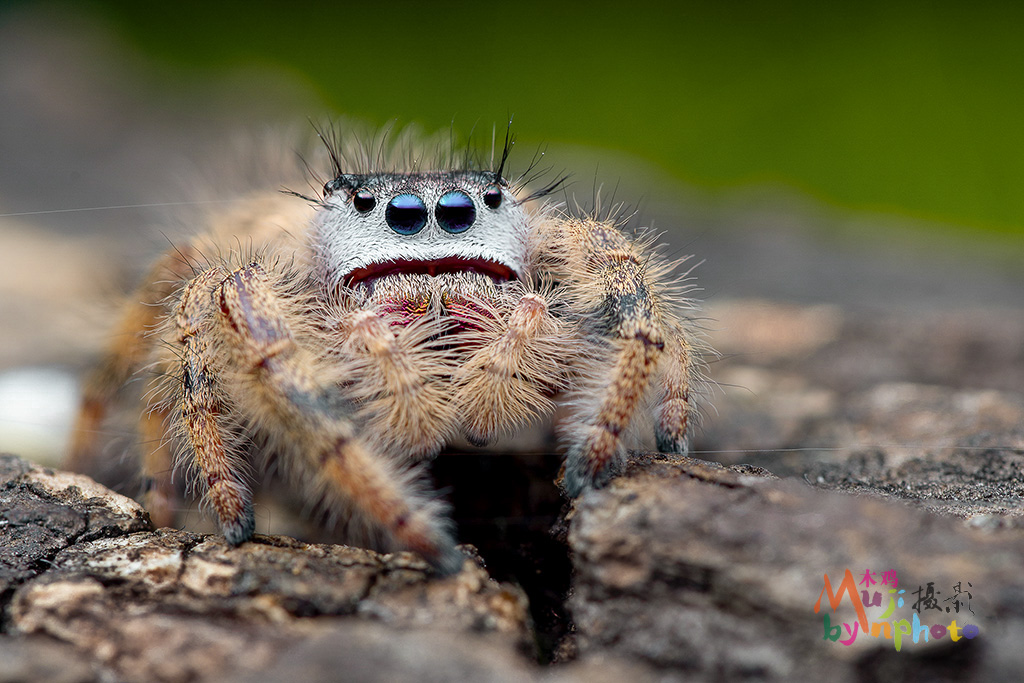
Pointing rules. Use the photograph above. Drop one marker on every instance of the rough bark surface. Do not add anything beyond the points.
(82, 569)
(713, 572)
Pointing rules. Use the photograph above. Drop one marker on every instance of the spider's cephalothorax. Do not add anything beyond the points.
(422, 223)
(371, 326)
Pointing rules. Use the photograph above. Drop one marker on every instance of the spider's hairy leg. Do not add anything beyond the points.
(202, 410)
(402, 389)
(676, 411)
(131, 346)
(509, 379)
(295, 401)
(606, 278)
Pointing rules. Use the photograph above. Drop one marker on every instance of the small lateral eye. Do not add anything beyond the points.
(492, 197)
(406, 214)
(364, 201)
(455, 212)
(330, 187)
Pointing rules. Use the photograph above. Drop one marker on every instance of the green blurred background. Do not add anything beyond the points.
(910, 108)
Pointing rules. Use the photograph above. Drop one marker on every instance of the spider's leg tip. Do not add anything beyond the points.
(449, 561)
(581, 473)
(576, 478)
(672, 445)
(238, 531)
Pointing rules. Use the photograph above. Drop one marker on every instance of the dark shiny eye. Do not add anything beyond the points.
(364, 201)
(492, 197)
(455, 212)
(406, 214)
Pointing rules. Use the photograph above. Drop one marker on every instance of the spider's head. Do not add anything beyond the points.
(430, 223)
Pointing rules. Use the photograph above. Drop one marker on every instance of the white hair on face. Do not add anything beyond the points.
(346, 240)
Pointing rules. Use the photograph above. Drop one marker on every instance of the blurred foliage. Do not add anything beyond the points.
(906, 107)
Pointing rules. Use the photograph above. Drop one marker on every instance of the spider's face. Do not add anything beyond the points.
(432, 223)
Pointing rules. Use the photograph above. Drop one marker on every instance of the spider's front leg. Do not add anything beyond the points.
(292, 397)
(635, 340)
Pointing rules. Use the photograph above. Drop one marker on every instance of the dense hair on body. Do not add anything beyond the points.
(346, 346)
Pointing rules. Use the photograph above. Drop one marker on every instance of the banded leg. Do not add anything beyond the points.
(202, 412)
(606, 276)
(295, 399)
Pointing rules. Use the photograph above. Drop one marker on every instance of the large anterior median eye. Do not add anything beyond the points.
(406, 214)
(455, 212)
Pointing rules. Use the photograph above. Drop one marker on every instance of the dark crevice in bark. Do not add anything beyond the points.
(507, 505)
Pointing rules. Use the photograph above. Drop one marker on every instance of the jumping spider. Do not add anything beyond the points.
(368, 327)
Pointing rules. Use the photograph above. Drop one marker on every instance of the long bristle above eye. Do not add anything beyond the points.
(355, 149)
(329, 138)
(506, 150)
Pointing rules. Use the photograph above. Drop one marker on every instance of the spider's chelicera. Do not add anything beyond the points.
(372, 326)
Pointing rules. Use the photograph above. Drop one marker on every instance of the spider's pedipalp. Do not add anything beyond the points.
(510, 378)
(403, 393)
